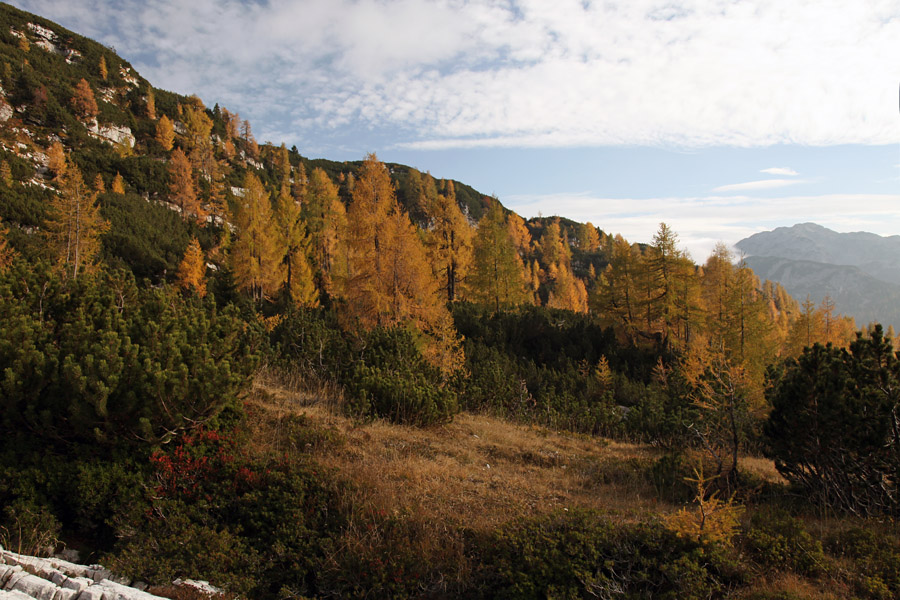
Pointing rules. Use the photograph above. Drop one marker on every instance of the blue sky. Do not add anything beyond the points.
(720, 117)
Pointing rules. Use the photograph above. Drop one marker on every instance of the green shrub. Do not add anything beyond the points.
(389, 556)
(401, 396)
(580, 554)
(875, 558)
(254, 528)
(831, 429)
(29, 528)
(776, 539)
(100, 363)
(393, 381)
(669, 475)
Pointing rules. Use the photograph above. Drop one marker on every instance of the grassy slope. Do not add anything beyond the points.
(478, 473)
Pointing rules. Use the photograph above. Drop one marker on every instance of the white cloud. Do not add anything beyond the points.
(461, 73)
(780, 171)
(762, 184)
(701, 222)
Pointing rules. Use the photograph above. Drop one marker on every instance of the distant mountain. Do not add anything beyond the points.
(860, 271)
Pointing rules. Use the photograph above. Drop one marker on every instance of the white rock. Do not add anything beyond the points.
(92, 593)
(117, 591)
(17, 595)
(77, 584)
(35, 587)
(6, 572)
(16, 576)
(112, 133)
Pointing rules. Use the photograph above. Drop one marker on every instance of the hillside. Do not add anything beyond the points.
(859, 271)
(297, 378)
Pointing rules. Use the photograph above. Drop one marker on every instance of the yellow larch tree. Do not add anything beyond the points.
(165, 133)
(99, 185)
(520, 235)
(118, 184)
(388, 281)
(183, 187)
(232, 124)
(587, 237)
(74, 224)
(192, 269)
(83, 103)
(616, 299)
(497, 277)
(254, 257)
(102, 68)
(6, 252)
(292, 245)
(326, 222)
(298, 189)
(283, 162)
(151, 105)
(449, 242)
(198, 143)
(566, 290)
(553, 249)
(56, 156)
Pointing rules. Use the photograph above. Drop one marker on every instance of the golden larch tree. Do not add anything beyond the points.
(292, 244)
(6, 251)
(553, 248)
(192, 269)
(118, 184)
(104, 72)
(566, 290)
(56, 156)
(254, 256)
(616, 296)
(449, 242)
(497, 277)
(388, 281)
(183, 187)
(74, 224)
(99, 185)
(520, 235)
(151, 105)
(83, 103)
(326, 222)
(197, 131)
(165, 133)
(588, 238)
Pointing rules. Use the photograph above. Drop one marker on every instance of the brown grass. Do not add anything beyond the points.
(427, 489)
(790, 585)
(763, 468)
(477, 471)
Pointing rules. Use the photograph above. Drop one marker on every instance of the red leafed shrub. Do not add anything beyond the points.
(200, 456)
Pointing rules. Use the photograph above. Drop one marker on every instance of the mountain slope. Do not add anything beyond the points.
(860, 271)
(876, 255)
(854, 292)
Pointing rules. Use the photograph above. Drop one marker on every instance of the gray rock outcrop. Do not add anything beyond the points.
(30, 578)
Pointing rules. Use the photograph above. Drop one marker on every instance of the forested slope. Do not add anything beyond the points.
(164, 277)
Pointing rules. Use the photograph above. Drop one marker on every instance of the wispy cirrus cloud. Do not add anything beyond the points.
(761, 184)
(780, 171)
(463, 73)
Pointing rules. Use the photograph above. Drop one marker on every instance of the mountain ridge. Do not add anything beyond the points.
(859, 271)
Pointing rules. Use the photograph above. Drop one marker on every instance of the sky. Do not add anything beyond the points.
(721, 118)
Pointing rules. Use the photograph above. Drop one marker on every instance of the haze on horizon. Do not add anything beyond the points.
(721, 118)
